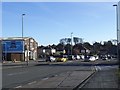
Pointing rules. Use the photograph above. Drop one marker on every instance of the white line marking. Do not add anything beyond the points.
(32, 82)
(11, 74)
(45, 78)
(69, 61)
(18, 87)
(98, 68)
(10, 67)
(56, 75)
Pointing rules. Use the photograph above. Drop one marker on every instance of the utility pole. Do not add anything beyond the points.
(22, 38)
(71, 44)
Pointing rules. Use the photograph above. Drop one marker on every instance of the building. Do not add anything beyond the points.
(48, 50)
(19, 49)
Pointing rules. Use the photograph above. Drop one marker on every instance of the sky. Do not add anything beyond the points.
(48, 22)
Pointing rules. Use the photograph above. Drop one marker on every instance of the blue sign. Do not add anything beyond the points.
(13, 46)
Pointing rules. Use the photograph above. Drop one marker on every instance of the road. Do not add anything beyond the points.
(18, 76)
(13, 77)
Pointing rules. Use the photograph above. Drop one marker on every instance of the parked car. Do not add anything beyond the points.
(77, 57)
(96, 57)
(104, 58)
(92, 58)
(71, 57)
(50, 59)
(61, 59)
(82, 57)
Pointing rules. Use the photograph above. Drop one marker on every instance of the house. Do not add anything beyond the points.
(48, 50)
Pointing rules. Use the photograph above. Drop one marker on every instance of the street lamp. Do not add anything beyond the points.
(22, 38)
(22, 24)
(71, 44)
(115, 5)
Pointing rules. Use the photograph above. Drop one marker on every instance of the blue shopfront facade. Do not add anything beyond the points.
(13, 46)
(13, 50)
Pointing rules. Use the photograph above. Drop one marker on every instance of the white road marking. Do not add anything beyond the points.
(11, 74)
(56, 75)
(32, 82)
(69, 61)
(99, 67)
(18, 87)
(10, 67)
(45, 78)
(96, 68)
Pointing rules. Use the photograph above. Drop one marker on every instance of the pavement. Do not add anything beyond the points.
(104, 78)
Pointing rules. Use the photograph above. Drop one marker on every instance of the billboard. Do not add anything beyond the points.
(13, 46)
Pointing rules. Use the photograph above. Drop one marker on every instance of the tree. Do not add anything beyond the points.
(65, 41)
(87, 45)
(60, 47)
(77, 40)
(96, 47)
(77, 48)
(108, 46)
(68, 49)
(68, 40)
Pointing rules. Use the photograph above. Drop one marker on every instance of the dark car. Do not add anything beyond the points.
(104, 58)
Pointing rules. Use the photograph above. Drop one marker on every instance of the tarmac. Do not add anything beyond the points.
(69, 80)
(75, 80)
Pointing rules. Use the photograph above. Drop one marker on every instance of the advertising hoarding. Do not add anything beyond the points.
(13, 46)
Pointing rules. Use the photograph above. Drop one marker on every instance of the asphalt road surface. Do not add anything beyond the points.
(15, 76)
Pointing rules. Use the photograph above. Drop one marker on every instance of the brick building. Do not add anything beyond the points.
(19, 49)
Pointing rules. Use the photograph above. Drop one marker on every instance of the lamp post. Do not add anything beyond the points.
(22, 24)
(71, 44)
(22, 38)
(118, 56)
